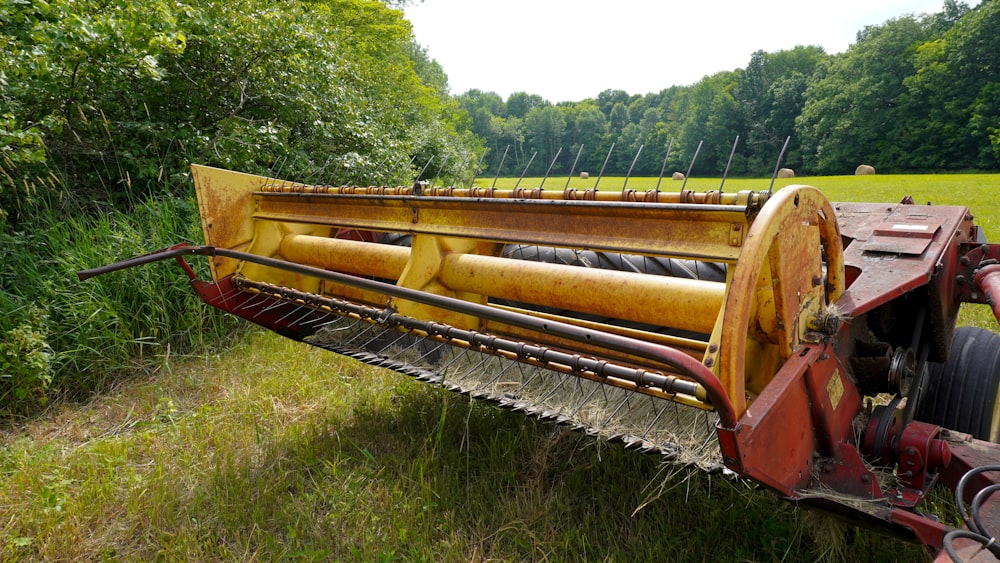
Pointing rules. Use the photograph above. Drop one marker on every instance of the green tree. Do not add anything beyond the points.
(543, 128)
(520, 103)
(951, 107)
(116, 98)
(849, 115)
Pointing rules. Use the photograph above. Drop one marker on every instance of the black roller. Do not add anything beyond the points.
(961, 393)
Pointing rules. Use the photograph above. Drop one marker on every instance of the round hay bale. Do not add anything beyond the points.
(864, 170)
(786, 173)
(584, 175)
(677, 176)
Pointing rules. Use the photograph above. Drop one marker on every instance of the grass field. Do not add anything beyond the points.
(272, 450)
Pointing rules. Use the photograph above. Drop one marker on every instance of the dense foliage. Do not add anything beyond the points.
(103, 105)
(107, 100)
(915, 94)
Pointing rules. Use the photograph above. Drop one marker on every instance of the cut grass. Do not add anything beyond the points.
(274, 450)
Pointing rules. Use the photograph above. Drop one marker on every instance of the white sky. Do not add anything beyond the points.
(570, 50)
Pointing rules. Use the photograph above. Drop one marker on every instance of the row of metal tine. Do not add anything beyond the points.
(402, 170)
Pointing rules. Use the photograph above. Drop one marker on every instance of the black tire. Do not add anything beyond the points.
(690, 269)
(961, 393)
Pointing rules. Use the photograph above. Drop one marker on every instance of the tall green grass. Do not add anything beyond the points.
(62, 336)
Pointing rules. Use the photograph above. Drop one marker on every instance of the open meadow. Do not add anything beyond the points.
(272, 450)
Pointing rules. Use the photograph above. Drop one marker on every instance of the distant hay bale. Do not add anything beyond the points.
(584, 175)
(677, 176)
(786, 173)
(864, 170)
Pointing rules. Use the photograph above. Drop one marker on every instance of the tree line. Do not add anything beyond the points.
(914, 94)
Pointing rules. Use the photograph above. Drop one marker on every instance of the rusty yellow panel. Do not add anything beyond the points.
(684, 231)
(226, 205)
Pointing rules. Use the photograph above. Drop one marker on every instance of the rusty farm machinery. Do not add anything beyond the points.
(805, 345)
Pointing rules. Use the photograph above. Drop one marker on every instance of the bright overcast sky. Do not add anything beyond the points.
(570, 50)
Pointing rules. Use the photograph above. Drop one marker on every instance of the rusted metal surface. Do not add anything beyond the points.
(658, 228)
(883, 273)
(779, 286)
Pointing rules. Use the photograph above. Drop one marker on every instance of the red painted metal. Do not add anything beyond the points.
(987, 283)
(884, 275)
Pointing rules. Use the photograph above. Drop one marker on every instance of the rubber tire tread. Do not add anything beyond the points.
(688, 269)
(961, 393)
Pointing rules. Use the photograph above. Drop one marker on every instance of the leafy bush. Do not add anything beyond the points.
(116, 98)
(25, 361)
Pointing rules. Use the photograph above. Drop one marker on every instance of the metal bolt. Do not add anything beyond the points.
(866, 478)
(709, 362)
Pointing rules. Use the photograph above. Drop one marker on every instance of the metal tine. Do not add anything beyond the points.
(586, 399)
(629, 173)
(624, 401)
(500, 166)
(458, 173)
(564, 377)
(402, 171)
(251, 302)
(690, 166)
(503, 367)
(479, 168)
(551, 164)
(316, 313)
(292, 312)
(663, 409)
(603, 166)
(318, 172)
(291, 166)
(729, 163)
(333, 175)
(447, 157)
(534, 374)
(437, 346)
(350, 175)
(424, 169)
(777, 164)
(664, 167)
(526, 166)
(277, 173)
(379, 167)
(225, 295)
(573, 168)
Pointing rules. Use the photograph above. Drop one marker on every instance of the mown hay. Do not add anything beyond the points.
(677, 176)
(786, 173)
(864, 170)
